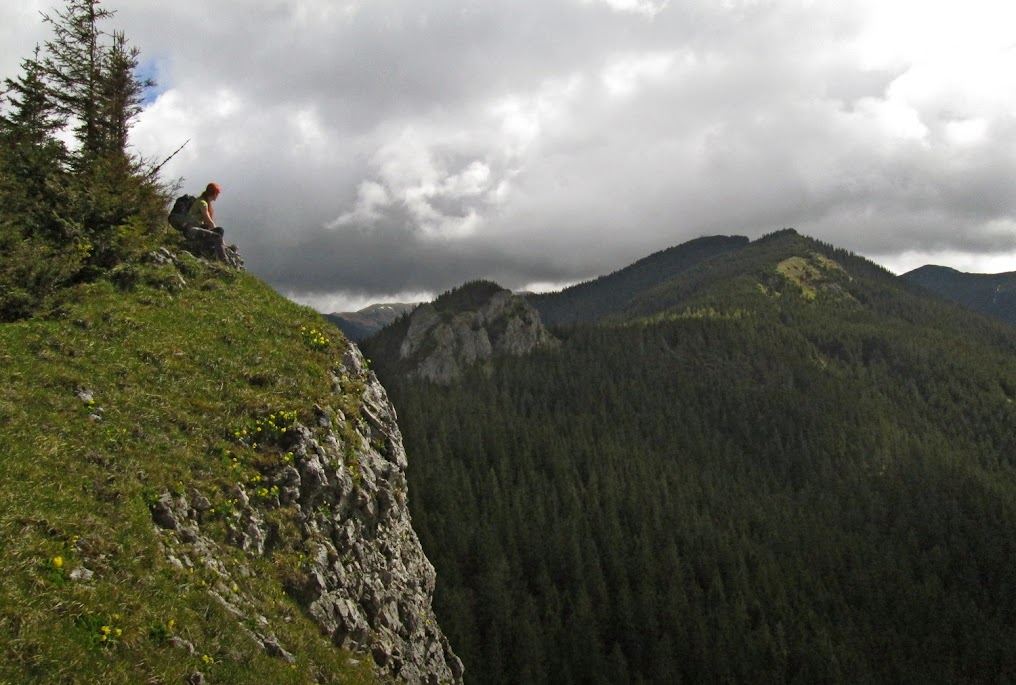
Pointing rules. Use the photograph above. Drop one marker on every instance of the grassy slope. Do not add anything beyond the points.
(176, 371)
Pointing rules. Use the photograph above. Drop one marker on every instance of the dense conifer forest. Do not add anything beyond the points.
(781, 464)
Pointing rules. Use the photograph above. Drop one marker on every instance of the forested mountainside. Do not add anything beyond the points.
(991, 294)
(782, 464)
(601, 296)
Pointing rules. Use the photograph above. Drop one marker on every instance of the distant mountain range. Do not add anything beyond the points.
(991, 294)
(366, 322)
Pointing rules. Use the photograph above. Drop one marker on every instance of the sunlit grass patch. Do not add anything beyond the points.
(128, 390)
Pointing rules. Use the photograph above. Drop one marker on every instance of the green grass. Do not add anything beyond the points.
(810, 274)
(177, 369)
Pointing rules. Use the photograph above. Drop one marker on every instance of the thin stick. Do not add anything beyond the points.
(163, 163)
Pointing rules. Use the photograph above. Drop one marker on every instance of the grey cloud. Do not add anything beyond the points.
(554, 140)
(387, 260)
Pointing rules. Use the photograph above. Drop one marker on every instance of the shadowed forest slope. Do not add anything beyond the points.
(782, 464)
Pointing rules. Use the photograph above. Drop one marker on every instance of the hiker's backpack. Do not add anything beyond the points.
(181, 209)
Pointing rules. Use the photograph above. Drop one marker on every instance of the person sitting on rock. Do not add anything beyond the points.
(201, 227)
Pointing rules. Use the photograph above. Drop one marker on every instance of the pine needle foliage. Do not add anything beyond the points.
(69, 213)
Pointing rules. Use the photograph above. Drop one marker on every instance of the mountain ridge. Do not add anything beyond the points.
(590, 299)
(572, 304)
(991, 294)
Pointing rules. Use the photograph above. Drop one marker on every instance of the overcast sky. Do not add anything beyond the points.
(383, 150)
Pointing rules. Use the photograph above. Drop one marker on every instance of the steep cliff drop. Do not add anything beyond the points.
(364, 579)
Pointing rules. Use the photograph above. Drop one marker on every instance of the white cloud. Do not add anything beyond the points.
(963, 133)
(525, 117)
(919, 31)
(647, 8)
(416, 181)
(371, 200)
(623, 75)
(472, 181)
(892, 118)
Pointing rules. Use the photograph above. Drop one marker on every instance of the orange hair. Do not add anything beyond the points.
(211, 189)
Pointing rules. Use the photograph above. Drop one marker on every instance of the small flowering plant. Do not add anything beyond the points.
(267, 439)
(268, 430)
(102, 631)
(110, 634)
(54, 569)
(266, 493)
(314, 339)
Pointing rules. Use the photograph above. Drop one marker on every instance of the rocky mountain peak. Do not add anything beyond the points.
(467, 326)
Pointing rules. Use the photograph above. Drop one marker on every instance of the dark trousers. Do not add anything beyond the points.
(208, 240)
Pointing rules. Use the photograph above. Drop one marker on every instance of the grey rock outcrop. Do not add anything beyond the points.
(441, 345)
(365, 580)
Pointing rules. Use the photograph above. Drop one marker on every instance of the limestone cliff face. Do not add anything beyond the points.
(364, 577)
(441, 344)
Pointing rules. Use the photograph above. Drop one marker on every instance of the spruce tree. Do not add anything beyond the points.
(74, 67)
(33, 158)
(92, 79)
(39, 240)
(72, 212)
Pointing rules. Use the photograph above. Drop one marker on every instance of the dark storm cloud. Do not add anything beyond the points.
(391, 261)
